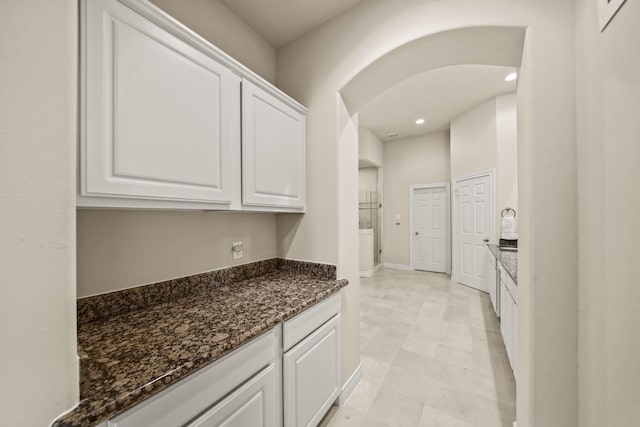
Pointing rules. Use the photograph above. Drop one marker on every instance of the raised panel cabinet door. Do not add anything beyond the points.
(272, 150)
(514, 359)
(490, 267)
(254, 404)
(505, 317)
(160, 116)
(311, 376)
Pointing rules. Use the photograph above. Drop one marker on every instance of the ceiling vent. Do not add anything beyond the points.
(393, 135)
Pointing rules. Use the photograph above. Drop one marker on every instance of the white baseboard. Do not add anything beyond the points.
(393, 266)
(367, 273)
(350, 385)
(515, 424)
(378, 267)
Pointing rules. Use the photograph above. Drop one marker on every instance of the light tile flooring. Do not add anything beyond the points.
(432, 356)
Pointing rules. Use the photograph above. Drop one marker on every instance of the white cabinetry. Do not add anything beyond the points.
(251, 405)
(509, 317)
(312, 367)
(162, 116)
(186, 400)
(492, 280)
(272, 150)
(298, 361)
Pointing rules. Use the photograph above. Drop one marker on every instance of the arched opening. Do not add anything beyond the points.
(481, 45)
(317, 71)
(486, 45)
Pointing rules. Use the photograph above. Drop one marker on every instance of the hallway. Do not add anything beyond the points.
(432, 356)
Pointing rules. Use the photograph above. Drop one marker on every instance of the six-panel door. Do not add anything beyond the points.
(474, 203)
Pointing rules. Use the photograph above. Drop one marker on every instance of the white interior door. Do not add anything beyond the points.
(430, 229)
(474, 201)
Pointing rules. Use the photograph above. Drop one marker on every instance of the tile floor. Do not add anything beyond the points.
(432, 356)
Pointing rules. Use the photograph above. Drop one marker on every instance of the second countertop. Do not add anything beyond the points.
(508, 259)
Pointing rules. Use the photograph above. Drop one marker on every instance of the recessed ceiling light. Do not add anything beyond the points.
(511, 77)
(420, 121)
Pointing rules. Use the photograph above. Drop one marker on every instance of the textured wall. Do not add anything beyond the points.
(38, 365)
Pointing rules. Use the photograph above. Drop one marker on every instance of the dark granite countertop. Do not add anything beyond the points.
(129, 357)
(508, 259)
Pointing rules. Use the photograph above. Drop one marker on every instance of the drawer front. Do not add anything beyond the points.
(312, 376)
(254, 404)
(187, 399)
(303, 324)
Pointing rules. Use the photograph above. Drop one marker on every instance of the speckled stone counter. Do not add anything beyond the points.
(133, 354)
(508, 259)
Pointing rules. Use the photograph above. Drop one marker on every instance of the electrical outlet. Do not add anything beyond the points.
(237, 249)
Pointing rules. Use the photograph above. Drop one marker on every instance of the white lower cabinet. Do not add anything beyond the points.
(311, 376)
(169, 121)
(509, 318)
(292, 370)
(505, 318)
(493, 284)
(251, 405)
(514, 359)
(184, 401)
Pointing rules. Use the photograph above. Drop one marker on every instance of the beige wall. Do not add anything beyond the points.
(547, 257)
(121, 249)
(317, 65)
(421, 159)
(216, 23)
(368, 179)
(370, 147)
(474, 148)
(348, 239)
(484, 138)
(38, 364)
(507, 153)
(525, 396)
(473, 140)
(608, 103)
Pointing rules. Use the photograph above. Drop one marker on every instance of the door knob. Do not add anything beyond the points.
(486, 240)
(417, 233)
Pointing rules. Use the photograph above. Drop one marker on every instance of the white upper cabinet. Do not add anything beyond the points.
(161, 119)
(272, 150)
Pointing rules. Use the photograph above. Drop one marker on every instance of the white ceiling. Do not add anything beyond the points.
(437, 96)
(282, 21)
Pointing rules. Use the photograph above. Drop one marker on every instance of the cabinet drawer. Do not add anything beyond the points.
(254, 404)
(303, 324)
(185, 400)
